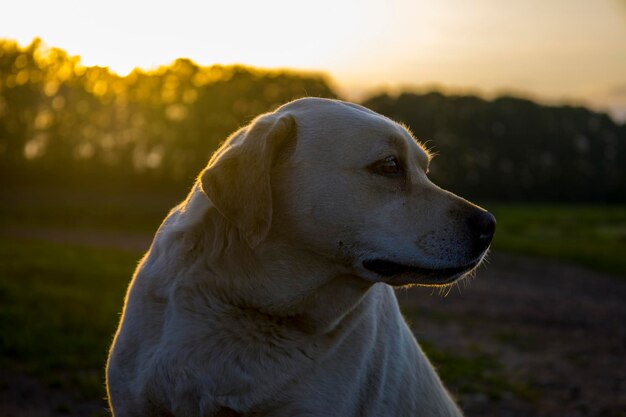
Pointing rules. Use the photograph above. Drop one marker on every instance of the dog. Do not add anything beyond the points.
(269, 290)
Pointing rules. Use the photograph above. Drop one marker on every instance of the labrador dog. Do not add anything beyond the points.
(269, 290)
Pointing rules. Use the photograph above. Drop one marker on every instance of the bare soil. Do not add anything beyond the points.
(549, 338)
(554, 333)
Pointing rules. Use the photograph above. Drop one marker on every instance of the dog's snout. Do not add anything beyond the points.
(482, 226)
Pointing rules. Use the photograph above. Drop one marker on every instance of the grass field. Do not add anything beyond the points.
(60, 304)
(590, 235)
(52, 293)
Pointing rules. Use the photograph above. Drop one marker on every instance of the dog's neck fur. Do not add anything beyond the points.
(201, 231)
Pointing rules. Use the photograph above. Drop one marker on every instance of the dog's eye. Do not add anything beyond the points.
(389, 167)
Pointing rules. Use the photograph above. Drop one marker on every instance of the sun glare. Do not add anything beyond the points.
(272, 33)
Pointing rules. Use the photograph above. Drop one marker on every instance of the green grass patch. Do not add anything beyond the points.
(476, 373)
(592, 236)
(59, 307)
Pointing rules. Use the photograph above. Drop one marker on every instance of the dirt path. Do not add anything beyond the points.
(526, 337)
(555, 334)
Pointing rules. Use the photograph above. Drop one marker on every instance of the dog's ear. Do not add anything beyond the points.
(237, 179)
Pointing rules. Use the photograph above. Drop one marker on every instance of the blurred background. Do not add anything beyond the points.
(109, 111)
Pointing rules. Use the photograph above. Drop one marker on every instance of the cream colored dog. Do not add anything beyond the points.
(268, 291)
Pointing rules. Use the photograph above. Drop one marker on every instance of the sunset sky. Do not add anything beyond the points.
(555, 51)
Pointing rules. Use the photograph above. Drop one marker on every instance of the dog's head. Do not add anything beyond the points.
(350, 186)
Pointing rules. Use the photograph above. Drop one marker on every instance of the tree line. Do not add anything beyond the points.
(62, 121)
(514, 149)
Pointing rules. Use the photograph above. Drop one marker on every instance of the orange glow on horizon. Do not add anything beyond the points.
(558, 50)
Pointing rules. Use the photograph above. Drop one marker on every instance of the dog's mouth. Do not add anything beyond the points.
(400, 274)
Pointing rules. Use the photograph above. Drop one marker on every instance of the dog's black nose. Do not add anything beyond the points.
(482, 225)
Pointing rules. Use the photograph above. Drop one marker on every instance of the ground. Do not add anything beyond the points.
(543, 338)
(524, 337)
